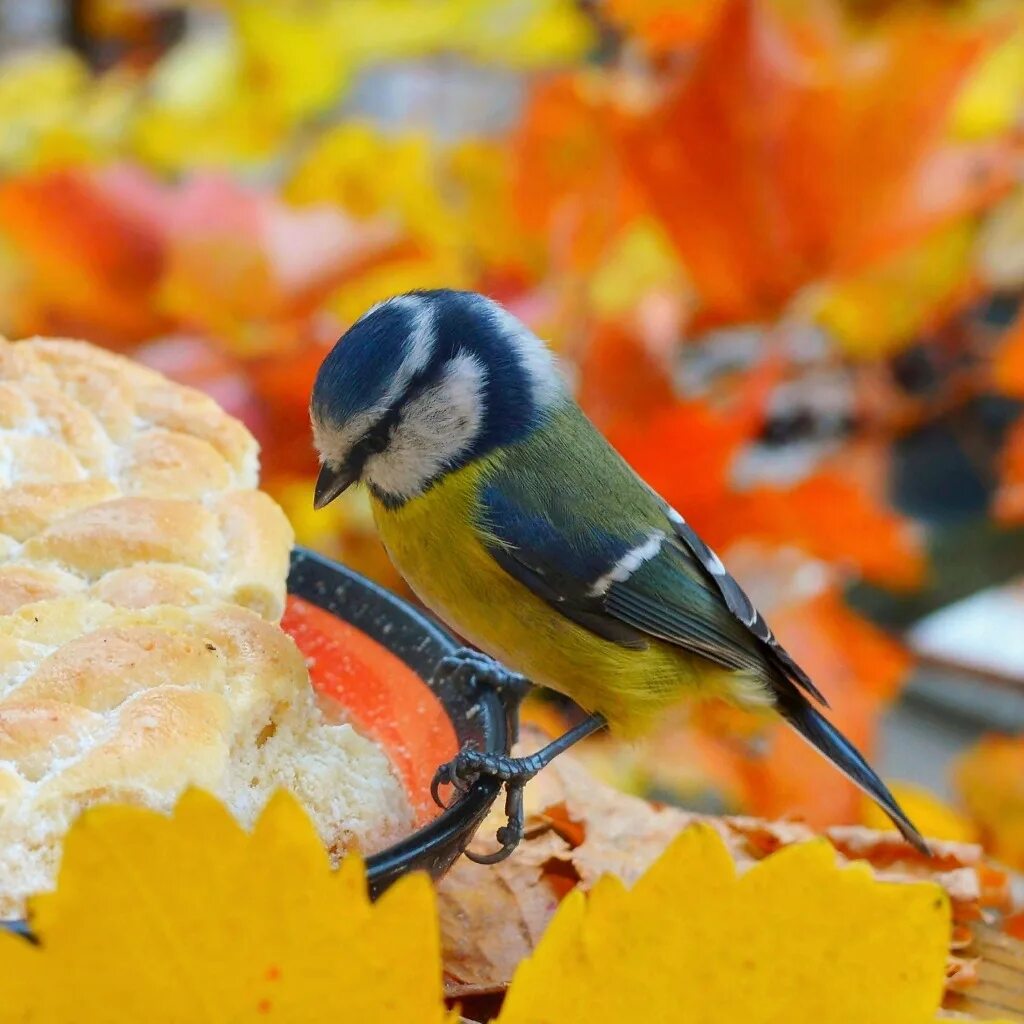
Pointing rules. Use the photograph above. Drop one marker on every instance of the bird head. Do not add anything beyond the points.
(421, 385)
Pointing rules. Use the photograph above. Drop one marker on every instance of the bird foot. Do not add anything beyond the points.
(467, 767)
(468, 667)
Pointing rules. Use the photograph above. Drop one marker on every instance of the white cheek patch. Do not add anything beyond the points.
(333, 443)
(436, 427)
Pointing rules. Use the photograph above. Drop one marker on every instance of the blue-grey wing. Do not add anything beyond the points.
(571, 565)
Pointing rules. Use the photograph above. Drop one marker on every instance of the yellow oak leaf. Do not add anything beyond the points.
(795, 939)
(189, 918)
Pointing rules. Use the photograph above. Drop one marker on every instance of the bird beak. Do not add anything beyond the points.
(330, 483)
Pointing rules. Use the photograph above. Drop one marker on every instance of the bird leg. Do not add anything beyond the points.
(470, 765)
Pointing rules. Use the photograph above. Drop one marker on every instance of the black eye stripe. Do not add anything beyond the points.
(377, 438)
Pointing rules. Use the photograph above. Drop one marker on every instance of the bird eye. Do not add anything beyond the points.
(376, 443)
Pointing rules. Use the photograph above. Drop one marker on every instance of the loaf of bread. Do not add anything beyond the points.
(141, 579)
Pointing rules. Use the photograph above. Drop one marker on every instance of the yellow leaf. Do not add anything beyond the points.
(990, 103)
(198, 112)
(189, 918)
(524, 34)
(434, 268)
(885, 307)
(368, 174)
(931, 815)
(54, 112)
(795, 939)
(517, 33)
(292, 54)
(638, 262)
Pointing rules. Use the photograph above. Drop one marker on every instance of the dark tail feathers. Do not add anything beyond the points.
(820, 733)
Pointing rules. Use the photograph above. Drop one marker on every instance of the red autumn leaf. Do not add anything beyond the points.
(93, 266)
(284, 383)
(793, 779)
(620, 378)
(841, 650)
(789, 152)
(242, 266)
(686, 452)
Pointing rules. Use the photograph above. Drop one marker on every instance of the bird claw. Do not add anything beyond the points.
(510, 835)
(466, 768)
(453, 774)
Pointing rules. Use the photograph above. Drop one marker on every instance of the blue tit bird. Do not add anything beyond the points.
(516, 522)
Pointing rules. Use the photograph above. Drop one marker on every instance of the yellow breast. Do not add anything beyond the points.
(434, 545)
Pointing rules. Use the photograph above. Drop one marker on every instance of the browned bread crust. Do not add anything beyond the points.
(106, 466)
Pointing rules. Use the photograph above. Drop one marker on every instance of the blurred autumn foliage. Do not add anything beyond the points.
(770, 239)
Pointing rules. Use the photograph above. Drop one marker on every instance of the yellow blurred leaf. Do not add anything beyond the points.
(990, 781)
(876, 312)
(239, 96)
(292, 54)
(188, 918)
(526, 33)
(796, 938)
(639, 261)
(197, 112)
(932, 816)
(517, 33)
(432, 268)
(993, 98)
(368, 173)
(54, 112)
(452, 204)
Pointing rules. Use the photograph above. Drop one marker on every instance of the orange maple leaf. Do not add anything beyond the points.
(789, 152)
(830, 516)
(620, 378)
(686, 450)
(570, 186)
(664, 26)
(1008, 366)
